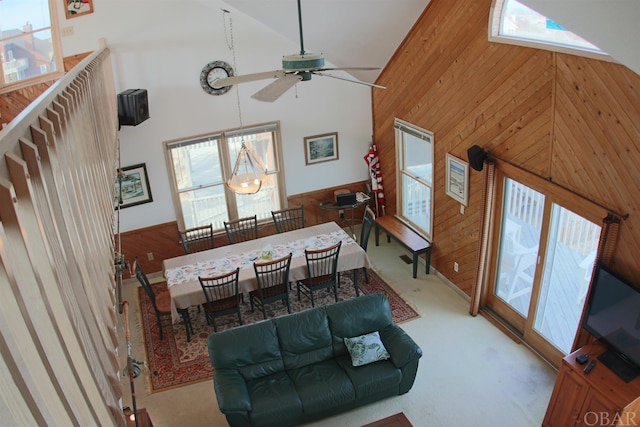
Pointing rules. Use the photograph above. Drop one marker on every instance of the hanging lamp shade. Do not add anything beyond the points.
(245, 178)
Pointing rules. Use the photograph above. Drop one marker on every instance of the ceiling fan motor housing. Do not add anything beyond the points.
(306, 61)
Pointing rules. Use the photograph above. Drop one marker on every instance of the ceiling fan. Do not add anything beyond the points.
(295, 68)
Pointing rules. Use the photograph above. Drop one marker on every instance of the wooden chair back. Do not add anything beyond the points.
(241, 230)
(273, 283)
(288, 219)
(197, 239)
(222, 296)
(367, 224)
(322, 265)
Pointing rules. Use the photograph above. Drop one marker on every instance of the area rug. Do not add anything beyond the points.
(174, 362)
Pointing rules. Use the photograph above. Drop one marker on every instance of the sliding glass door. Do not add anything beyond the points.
(545, 255)
(520, 240)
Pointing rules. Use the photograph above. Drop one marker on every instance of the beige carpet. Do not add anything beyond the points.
(471, 374)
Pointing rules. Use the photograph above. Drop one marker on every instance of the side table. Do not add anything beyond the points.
(333, 206)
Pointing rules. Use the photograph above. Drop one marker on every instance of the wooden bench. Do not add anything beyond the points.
(405, 236)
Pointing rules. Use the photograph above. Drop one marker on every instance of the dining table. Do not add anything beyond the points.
(182, 273)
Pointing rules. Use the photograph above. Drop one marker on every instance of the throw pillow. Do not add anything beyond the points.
(366, 349)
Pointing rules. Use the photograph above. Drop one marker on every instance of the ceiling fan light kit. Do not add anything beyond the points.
(304, 61)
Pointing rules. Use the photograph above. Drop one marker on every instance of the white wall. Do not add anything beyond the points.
(162, 46)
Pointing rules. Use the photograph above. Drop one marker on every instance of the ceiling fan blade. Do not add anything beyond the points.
(228, 81)
(274, 90)
(349, 80)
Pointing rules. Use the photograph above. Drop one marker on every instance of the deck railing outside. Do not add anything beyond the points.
(213, 209)
(526, 206)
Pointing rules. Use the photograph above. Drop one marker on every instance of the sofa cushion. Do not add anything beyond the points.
(357, 316)
(253, 349)
(305, 338)
(231, 390)
(366, 349)
(322, 386)
(372, 379)
(273, 398)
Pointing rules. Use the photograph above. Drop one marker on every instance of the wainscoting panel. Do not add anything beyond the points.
(162, 240)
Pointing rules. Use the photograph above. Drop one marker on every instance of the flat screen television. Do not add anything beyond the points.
(613, 316)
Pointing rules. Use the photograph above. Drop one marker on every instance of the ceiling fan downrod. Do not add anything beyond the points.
(302, 62)
(300, 28)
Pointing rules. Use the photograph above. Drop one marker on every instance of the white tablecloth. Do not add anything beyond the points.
(182, 272)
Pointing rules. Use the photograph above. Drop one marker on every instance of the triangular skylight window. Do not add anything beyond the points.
(513, 22)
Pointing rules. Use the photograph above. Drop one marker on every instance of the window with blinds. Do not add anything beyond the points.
(200, 167)
(414, 147)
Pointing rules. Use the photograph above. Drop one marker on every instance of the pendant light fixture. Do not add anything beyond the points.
(246, 178)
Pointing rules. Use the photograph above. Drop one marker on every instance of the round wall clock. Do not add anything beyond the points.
(213, 71)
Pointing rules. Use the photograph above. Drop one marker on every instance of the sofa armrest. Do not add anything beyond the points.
(231, 391)
(400, 346)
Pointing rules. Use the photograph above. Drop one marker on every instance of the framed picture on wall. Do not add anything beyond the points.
(321, 148)
(132, 187)
(75, 8)
(457, 179)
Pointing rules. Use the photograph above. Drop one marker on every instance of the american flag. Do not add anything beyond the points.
(376, 179)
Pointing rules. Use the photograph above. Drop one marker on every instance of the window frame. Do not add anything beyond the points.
(227, 160)
(495, 24)
(56, 44)
(401, 127)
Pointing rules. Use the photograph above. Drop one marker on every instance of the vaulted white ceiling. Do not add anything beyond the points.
(349, 33)
(367, 32)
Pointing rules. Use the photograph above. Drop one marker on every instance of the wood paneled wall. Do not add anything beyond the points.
(163, 242)
(572, 120)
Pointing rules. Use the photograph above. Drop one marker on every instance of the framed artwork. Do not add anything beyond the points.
(132, 187)
(75, 8)
(457, 179)
(321, 148)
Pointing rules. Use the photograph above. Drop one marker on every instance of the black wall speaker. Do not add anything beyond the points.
(133, 107)
(477, 156)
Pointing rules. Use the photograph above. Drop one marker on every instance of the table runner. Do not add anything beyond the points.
(218, 266)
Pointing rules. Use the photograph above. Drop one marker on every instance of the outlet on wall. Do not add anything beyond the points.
(455, 267)
(66, 31)
(150, 256)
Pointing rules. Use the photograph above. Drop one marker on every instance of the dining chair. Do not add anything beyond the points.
(222, 296)
(161, 301)
(241, 230)
(368, 219)
(273, 283)
(322, 272)
(197, 239)
(288, 219)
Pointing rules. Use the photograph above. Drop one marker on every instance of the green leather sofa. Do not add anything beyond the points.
(296, 368)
